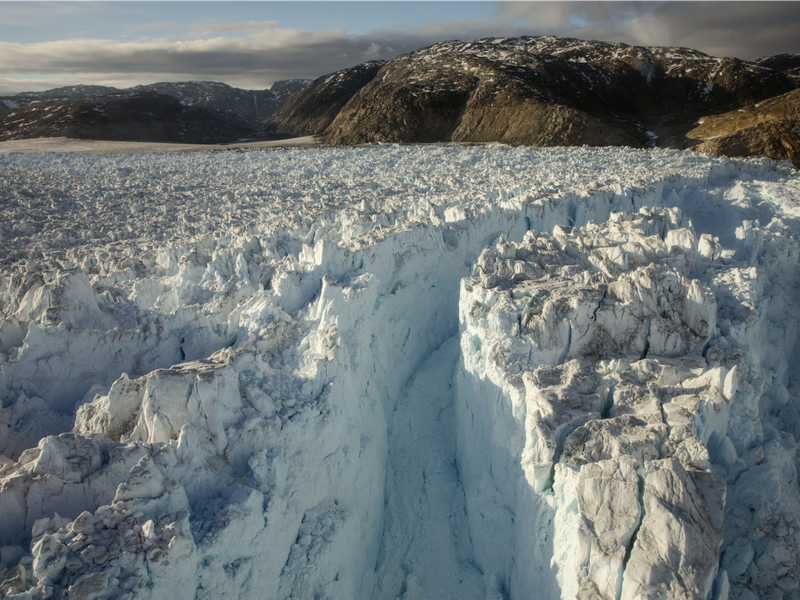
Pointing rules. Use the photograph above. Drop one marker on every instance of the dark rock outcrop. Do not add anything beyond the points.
(789, 64)
(770, 128)
(143, 116)
(315, 107)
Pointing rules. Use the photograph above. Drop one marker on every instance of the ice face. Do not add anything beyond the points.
(611, 405)
(228, 375)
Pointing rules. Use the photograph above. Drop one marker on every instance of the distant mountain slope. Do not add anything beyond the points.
(228, 102)
(248, 105)
(541, 91)
(314, 108)
(287, 88)
(549, 91)
(785, 63)
(71, 92)
(770, 128)
(139, 116)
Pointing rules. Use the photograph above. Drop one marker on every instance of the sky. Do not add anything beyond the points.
(255, 43)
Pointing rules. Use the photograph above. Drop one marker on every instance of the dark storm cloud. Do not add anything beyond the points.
(741, 29)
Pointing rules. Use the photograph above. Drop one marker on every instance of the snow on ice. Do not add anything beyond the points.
(399, 371)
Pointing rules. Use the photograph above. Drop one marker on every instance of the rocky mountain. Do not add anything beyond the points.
(286, 88)
(252, 106)
(769, 128)
(540, 91)
(131, 116)
(549, 91)
(71, 92)
(315, 107)
(239, 108)
(785, 63)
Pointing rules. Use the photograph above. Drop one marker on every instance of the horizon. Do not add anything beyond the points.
(251, 45)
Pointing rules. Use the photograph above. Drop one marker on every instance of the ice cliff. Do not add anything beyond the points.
(398, 371)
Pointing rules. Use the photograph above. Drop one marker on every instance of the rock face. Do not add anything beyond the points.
(769, 128)
(251, 106)
(548, 91)
(142, 116)
(785, 63)
(315, 107)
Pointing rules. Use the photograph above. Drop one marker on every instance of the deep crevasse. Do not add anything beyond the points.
(426, 551)
(269, 472)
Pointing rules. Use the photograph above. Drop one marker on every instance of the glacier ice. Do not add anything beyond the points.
(417, 371)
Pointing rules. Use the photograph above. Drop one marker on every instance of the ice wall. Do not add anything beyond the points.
(233, 332)
(608, 407)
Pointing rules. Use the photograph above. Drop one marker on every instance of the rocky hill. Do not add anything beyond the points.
(252, 106)
(131, 116)
(549, 91)
(286, 88)
(233, 105)
(70, 92)
(315, 107)
(769, 128)
(785, 63)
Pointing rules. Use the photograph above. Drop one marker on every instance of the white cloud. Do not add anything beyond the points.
(372, 53)
(254, 54)
(251, 54)
(258, 57)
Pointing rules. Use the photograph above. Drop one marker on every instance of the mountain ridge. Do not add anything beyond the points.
(517, 90)
(252, 106)
(530, 90)
(138, 116)
(313, 109)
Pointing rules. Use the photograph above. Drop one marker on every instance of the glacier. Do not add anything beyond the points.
(445, 371)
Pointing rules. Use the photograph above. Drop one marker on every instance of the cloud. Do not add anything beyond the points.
(741, 29)
(254, 54)
(210, 28)
(152, 27)
(372, 53)
(258, 58)
(20, 14)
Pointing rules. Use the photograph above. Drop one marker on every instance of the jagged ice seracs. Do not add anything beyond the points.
(387, 371)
